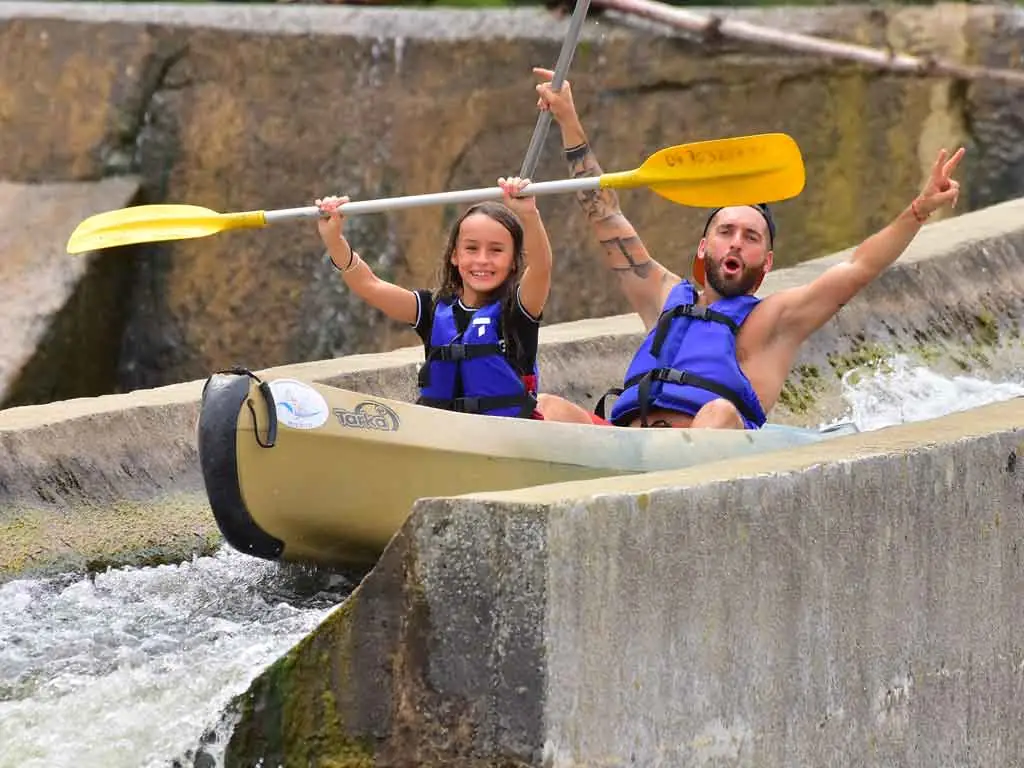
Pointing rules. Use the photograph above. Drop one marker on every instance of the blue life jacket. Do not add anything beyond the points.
(689, 359)
(469, 372)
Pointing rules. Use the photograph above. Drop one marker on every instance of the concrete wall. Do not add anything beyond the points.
(851, 603)
(238, 107)
(63, 316)
(73, 468)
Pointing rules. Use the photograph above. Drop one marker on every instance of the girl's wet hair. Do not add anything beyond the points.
(450, 281)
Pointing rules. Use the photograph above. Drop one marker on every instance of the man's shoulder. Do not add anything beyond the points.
(766, 313)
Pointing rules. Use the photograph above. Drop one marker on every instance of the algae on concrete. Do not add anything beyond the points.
(290, 716)
(37, 541)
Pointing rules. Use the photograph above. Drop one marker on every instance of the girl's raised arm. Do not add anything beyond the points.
(535, 284)
(394, 301)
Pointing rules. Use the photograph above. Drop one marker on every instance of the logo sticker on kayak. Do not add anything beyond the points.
(299, 405)
(368, 415)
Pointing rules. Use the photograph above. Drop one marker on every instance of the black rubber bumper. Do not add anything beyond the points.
(223, 398)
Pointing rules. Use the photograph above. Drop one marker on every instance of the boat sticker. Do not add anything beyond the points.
(299, 405)
(368, 415)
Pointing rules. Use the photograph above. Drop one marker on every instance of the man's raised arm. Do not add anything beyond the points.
(644, 281)
(805, 309)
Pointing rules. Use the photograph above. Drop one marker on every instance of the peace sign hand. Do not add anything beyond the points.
(940, 187)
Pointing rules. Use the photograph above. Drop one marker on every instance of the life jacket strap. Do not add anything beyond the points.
(697, 312)
(526, 402)
(599, 408)
(457, 353)
(675, 376)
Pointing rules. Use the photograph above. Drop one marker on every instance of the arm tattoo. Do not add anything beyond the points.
(597, 204)
(641, 269)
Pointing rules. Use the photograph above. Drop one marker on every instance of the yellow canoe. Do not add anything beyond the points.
(304, 472)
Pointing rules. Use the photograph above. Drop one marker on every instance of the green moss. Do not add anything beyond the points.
(929, 354)
(801, 390)
(87, 537)
(795, 399)
(808, 372)
(980, 357)
(862, 354)
(291, 715)
(986, 329)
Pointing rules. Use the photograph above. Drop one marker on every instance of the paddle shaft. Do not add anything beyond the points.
(540, 131)
(439, 198)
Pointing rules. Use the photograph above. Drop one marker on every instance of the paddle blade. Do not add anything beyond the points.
(155, 223)
(736, 171)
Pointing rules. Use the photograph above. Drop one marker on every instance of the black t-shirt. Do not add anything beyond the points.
(521, 323)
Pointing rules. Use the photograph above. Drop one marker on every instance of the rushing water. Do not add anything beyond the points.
(130, 667)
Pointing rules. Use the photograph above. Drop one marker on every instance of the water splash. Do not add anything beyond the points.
(901, 392)
(128, 667)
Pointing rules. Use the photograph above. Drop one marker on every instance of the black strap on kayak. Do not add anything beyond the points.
(695, 311)
(268, 399)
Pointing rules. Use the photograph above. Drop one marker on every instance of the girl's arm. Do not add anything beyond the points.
(535, 284)
(394, 301)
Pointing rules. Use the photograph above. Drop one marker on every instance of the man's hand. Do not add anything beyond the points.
(940, 188)
(805, 309)
(561, 106)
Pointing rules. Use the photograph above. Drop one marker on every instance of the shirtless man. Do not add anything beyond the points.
(715, 355)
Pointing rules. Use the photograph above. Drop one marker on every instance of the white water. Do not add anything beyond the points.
(900, 392)
(130, 667)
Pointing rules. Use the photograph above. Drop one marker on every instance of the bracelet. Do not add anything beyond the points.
(353, 262)
(577, 152)
(351, 256)
(913, 209)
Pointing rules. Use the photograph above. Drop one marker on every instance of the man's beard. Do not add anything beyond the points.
(744, 284)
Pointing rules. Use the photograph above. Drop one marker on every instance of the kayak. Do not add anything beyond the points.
(304, 472)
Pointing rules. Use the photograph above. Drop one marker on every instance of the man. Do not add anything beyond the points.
(719, 357)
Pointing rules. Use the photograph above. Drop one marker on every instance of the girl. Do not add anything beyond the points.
(480, 327)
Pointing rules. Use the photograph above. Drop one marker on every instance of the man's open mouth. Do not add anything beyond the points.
(732, 266)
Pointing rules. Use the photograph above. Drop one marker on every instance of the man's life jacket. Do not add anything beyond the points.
(687, 360)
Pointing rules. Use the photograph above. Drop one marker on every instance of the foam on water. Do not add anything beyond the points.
(130, 667)
(901, 392)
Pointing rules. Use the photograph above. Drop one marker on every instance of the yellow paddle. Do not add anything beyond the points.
(734, 171)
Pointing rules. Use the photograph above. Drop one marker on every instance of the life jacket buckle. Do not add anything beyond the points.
(455, 352)
(672, 376)
(697, 311)
(466, 404)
